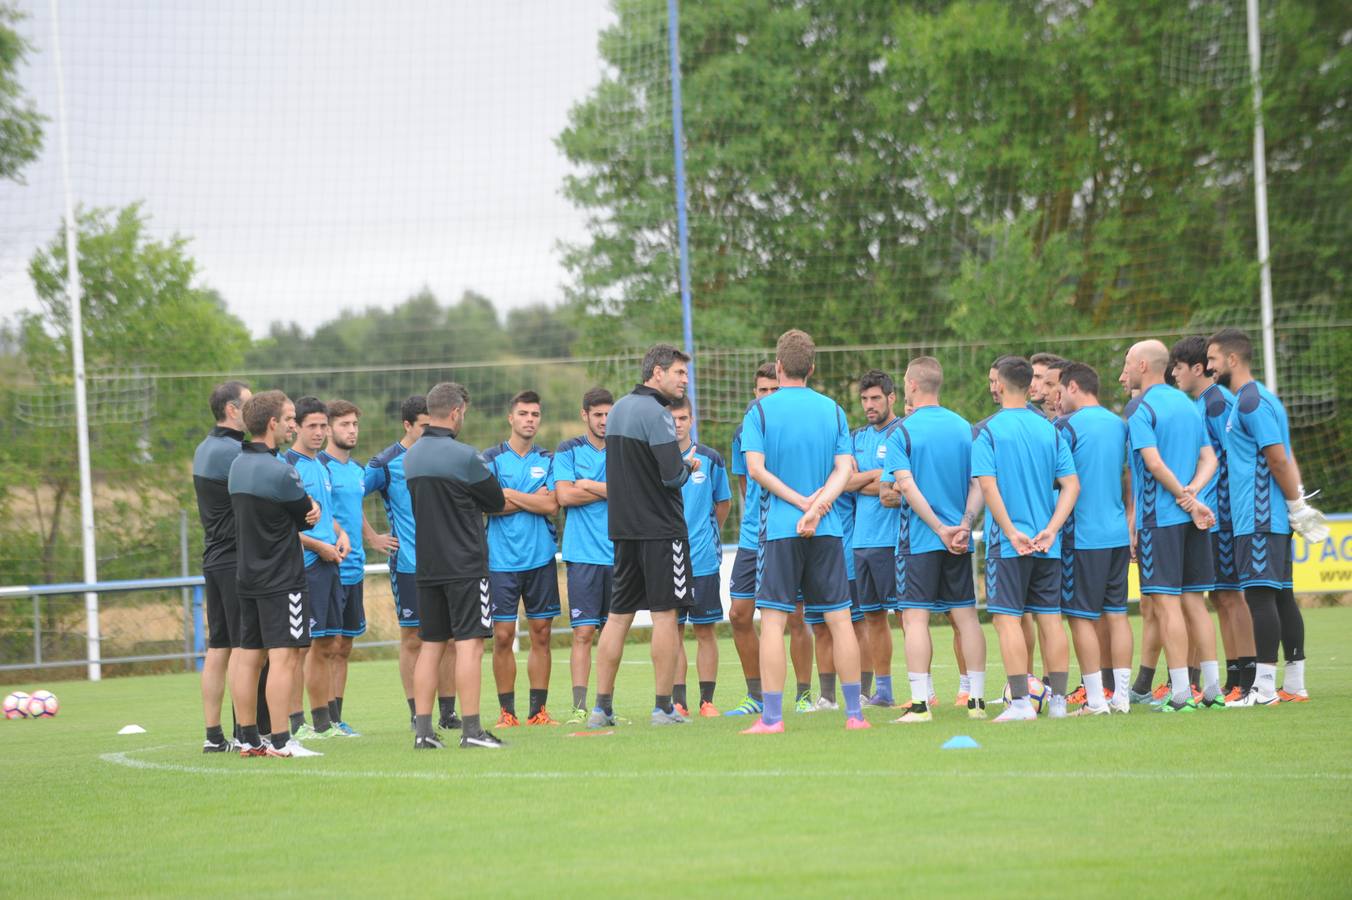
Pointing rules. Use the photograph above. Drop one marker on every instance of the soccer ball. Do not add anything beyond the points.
(1038, 694)
(43, 705)
(16, 705)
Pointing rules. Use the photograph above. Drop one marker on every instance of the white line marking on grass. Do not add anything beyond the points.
(125, 758)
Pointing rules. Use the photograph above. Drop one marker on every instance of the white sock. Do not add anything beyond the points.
(977, 684)
(929, 686)
(1122, 685)
(1211, 679)
(1178, 680)
(1293, 678)
(1093, 689)
(1022, 703)
(918, 692)
(964, 683)
(1265, 679)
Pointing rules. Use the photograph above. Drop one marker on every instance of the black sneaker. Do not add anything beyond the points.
(449, 723)
(432, 742)
(224, 746)
(483, 739)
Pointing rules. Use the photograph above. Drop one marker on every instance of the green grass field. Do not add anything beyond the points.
(1251, 802)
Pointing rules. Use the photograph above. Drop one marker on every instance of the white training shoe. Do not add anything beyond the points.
(1120, 706)
(1255, 698)
(824, 704)
(1056, 707)
(1017, 712)
(293, 750)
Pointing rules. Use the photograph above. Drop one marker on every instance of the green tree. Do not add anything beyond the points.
(20, 122)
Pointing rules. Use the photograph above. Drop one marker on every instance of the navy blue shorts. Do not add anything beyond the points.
(354, 610)
(405, 588)
(1263, 559)
(1094, 582)
(326, 599)
(856, 614)
(1023, 584)
(743, 585)
(459, 610)
(1175, 559)
(537, 588)
(938, 581)
(222, 602)
(708, 608)
(815, 566)
(652, 575)
(875, 571)
(588, 594)
(1223, 554)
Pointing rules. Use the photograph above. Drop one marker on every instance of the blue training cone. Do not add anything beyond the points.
(960, 742)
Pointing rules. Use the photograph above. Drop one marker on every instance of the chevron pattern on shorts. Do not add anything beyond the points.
(678, 570)
(1145, 554)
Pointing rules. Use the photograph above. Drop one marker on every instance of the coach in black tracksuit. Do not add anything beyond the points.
(644, 474)
(451, 488)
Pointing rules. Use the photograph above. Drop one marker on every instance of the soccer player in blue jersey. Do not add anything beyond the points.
(875, 526)
(821, 632)
(707, 498)
(797, 447)
(1019, 460)
(578, 478)
(1263, 472)
(1095, 542)
(928, 457)
(326, 545)
(348, 479)
(385, 474)
(1188, 362)
(521, 560)
(1171, 462)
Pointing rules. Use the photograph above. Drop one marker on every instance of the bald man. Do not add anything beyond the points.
(1171, 463)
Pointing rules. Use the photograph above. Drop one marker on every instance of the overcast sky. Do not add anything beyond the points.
(322, 155)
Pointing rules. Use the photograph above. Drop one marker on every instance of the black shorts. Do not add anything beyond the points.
(459, 610)
(1023, 584)
(1094, 582)
(652, 575)
(223, 627)
(708, 608)
(404, 586)
(589, 588)
(1175, 559)
(813, 567)
(1263, 560)
(539, 588)
(938, 581)
(326, 599)
(1223, 552)
(875, 572)
(743, 585)
(856, 614)
(275, 620)
(354, 609)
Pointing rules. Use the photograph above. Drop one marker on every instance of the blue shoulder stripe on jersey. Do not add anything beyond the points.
(1154, 419)
(1248, 399)
(760, 412)
(906, 436)
(495, 451)
(711, 453)
(572, 443)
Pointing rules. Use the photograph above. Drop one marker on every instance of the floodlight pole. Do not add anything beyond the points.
(1260, 207)
(91, 573)
(682, 223)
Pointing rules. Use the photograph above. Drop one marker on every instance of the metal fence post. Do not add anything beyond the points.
(37, 630)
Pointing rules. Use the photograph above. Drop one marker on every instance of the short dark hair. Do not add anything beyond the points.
(1190, 351)
(766, 370)
(523, 397)
(445, 398)
(683, 403)
(224, 394)
(1016, 372)
(661, 356)
(597, 396)
(1044, 358)
(262, 408)
(412, 407)
(308, 406)
(340, 408)
(1082, 375)
(1233, 340)
(1057, 365)
(877, 378)
(1001, 358)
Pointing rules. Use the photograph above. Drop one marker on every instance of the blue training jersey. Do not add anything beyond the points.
(1258, 420)
(934, 444)
(315, 476)
(845, 508)
(1025, 454)
(1098, 443)
(1215, 404)
(1167, 420)
(701, 493)
(875, 525)
(748, 530)
(800, 432)
(586, 531)
(385, 473)
(348, 481)
(520, 541)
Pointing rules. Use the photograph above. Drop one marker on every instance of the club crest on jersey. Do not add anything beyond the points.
(698, 477)
(882, 451)
(537, 472)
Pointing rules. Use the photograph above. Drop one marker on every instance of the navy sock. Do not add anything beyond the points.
(446, 707)
(678, 694)
(507, 702)
(603, 703)
(297, 720)
(537, 700)
(706, 691)
(215, 734)
(663, 702)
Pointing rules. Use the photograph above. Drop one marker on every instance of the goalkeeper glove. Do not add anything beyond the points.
(1307, 521)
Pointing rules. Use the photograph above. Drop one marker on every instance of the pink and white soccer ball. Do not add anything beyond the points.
(43, 705)
(16, 705)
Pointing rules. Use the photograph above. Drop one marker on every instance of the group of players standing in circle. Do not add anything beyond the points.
(840, 528)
